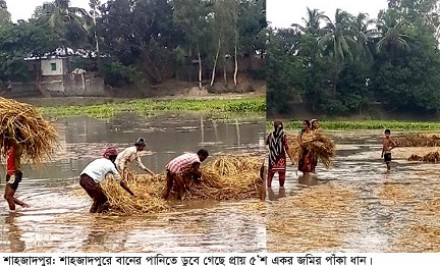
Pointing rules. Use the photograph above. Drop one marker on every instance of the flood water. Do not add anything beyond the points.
(58, 220)
(356, 206)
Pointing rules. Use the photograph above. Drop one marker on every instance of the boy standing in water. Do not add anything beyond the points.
(388, 145)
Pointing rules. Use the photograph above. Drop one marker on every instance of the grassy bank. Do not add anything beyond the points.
(225, 108)
(366, 125)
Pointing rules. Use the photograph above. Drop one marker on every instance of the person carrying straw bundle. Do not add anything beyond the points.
(95, 173)
(23, 133)
(277, 142)
(307, 160)
(310, 146)
(314, 127)
(181, 169)
(14, 174)
(131, 155)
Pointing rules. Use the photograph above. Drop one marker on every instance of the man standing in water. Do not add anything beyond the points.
(388, 145)
(129, 155)
(95, 173)
(13, 173)
(180, 169)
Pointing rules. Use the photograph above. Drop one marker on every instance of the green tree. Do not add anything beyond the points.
(68, 24)
(192, 17)
(391, 33)
(312, 22)
(5, 16)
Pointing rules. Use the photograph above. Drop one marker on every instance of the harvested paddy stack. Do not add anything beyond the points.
(419, 140)
(24, 123)
(432, 157)
(225, 178)
(229, 178)
(147, 199)
(321, 144)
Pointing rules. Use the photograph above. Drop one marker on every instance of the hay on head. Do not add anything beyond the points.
(319, 143)
(22, 123)
(224, 178)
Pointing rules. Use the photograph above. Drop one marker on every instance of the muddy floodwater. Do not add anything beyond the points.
(356, 206)
(58, 220)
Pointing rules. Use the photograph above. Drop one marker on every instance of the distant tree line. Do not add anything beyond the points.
(138, 39)
(342, 64)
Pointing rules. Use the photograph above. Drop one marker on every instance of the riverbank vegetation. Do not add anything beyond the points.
(341, 63)
(365, 125)
(219, 108)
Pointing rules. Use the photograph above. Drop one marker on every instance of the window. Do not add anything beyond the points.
(53, 66)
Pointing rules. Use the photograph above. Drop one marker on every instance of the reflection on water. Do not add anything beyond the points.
(382, 215)
(58, 221)
(308, 179)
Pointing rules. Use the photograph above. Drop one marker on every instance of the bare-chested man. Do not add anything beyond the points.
(388, 145)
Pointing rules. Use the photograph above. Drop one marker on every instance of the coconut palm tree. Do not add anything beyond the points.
(365, 32)
(69, 24)
(338, 41)
(391, 34)
(312, 22)
(338, 35)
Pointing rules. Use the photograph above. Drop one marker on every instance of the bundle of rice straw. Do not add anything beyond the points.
(419, 140)
(37, 135)
(432, 157)
(229, 178)
(225, 178)
(322, 145)
(147, 197)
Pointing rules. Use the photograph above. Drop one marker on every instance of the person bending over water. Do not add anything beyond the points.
(95, 173)
(131, 155)
(13, 173)
(388, 145)
(182, 168)
(278, 147)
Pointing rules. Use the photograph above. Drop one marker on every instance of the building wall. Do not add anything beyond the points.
(88, 84)
(65, 85)
(59, 64)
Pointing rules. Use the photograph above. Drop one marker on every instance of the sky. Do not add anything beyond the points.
(283, 13)
(23, 9)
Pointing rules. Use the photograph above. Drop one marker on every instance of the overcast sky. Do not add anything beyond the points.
(283, 13)
(23, 9)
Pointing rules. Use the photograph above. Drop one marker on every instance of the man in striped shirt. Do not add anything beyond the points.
(182, 168)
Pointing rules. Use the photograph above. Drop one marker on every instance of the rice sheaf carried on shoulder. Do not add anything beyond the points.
(321, 144)
(23, 123)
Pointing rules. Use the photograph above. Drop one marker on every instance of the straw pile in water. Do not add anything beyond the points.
(229, 178)
(419, 140)
(307, 221)
(432, 157)
(23, 123)
(322, 145)
(225, 178)
(146, 200)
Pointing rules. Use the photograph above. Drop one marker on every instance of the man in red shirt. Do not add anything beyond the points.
(13, 174)
(181, 168)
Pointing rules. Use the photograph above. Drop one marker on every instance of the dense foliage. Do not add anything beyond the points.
(344, 63)
(139, 41)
